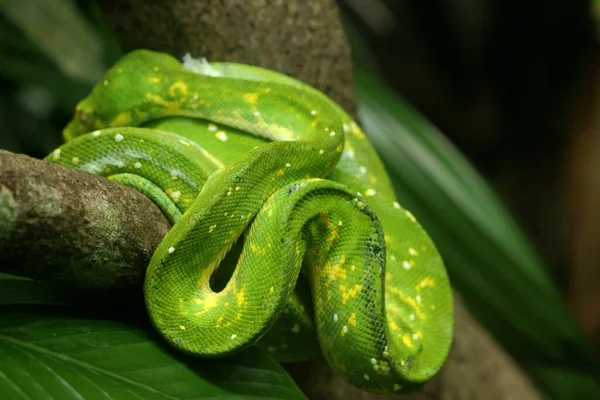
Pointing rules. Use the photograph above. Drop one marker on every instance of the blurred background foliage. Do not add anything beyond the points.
(508, 190)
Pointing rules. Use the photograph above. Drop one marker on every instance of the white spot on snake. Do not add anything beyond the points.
(96, 133)
(137, 165)
(105, 82)
(222, 136)
(396, 204)
(373, 361)
(288, 165)
(171, 250)
(321, 151)
(183, 142)
(418, 298)
(362, 169)
(118, 137)
(332, 133)
(366, 377)
(182, 327)
(256, 113)
(411, 317)
(406, 265)
(313, 112)
(340, 223)
(345, 329)
(296, 328)
(75, 160)
(359, 194)
(120, 164)
(212, 127)
(410, 216)
(346, 127)
(415, 336)
(56, 155)
(376, 367)
(412, 252)
(393, 258)
(233, 336)
(175, 196)
(174, 173)
(370, 192)
(335, 318)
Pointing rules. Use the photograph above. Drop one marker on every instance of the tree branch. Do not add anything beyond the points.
(67, 226)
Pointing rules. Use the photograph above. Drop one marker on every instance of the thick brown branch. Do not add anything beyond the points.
(64, 225)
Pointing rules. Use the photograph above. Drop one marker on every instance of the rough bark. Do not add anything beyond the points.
(67, 226)
(57, 210)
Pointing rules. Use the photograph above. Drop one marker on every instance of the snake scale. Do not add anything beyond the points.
(286, 232)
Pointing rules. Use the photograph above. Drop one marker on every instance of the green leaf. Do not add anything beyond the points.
(50, 350)
(489, 259)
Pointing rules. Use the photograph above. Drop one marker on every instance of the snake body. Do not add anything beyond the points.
(239, 156)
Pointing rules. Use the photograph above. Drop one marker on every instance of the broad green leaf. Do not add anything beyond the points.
(49, 350)
(489, 259)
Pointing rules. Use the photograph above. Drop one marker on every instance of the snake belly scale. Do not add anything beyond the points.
(329, 261)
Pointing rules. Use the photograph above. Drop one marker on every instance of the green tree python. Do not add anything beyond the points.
(243, 157)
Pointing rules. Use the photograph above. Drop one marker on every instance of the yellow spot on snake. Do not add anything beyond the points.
(427, 282)
(352, 319)
(410, 301)
(407, 340)
(75, 160)
(212, 228)
(56, 155)
(388, 276)
(410, 216)
(336, 271)
(251, 98)
(271, 290)
(349, 293)
(154, 79)
(240, 297)
(180, 87)
(122, 119)
(413, 252)
(219, 320)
